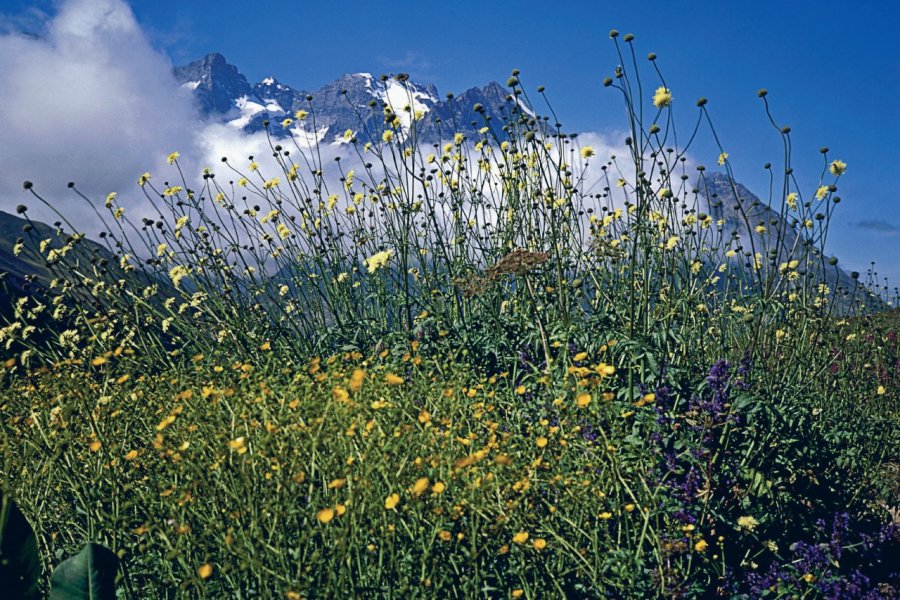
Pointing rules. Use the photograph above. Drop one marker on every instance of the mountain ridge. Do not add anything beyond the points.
(353, 102)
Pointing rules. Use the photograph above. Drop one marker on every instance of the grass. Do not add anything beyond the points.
(462, 372)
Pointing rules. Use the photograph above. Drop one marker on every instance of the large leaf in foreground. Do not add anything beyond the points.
(90, 574)
(20, 563)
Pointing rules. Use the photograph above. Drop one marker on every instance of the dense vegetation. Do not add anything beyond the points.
(483, 369)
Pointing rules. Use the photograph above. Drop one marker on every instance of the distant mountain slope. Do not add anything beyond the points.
(25, 273)
(722, 203)
(353, 102)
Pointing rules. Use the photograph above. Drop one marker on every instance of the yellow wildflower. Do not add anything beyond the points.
(392, 379)
(325, 515)
(378, 260)
(419, 486)
(662, 97)
(837, 167)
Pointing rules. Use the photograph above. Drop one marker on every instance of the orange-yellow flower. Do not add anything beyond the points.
(419, 486)
(325, 515)
(392, 379)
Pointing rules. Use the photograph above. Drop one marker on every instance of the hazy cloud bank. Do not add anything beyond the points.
(87, 100)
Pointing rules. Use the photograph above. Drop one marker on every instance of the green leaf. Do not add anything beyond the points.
(90, 574)
(20, 563)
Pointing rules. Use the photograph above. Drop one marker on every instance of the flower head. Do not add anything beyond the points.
(587, 152)
(662, 97)
(378, 260)
(325, 515)
(747, 523)
(837, 167)
(172, 158)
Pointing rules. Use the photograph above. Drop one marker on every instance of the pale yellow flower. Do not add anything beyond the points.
(837, 167)
(378, 260)
(662, 97)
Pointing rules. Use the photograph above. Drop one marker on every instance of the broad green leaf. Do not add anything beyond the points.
(20, 563)
(89, 575)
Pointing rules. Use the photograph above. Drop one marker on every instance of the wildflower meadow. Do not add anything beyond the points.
(504, 366)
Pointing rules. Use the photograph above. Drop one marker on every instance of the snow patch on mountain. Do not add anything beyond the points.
(525, 108)
(405, 100)
(248, 109)
(308, 139)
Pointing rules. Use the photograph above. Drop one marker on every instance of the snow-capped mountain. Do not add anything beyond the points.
(355, 102)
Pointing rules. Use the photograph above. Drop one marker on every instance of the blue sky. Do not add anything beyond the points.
(832, 70)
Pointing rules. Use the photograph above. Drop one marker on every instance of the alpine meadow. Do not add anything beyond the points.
(471, 355)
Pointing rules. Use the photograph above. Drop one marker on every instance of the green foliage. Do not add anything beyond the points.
(89, 575)
(20, 563)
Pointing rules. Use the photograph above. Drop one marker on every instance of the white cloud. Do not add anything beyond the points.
(88, 100)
